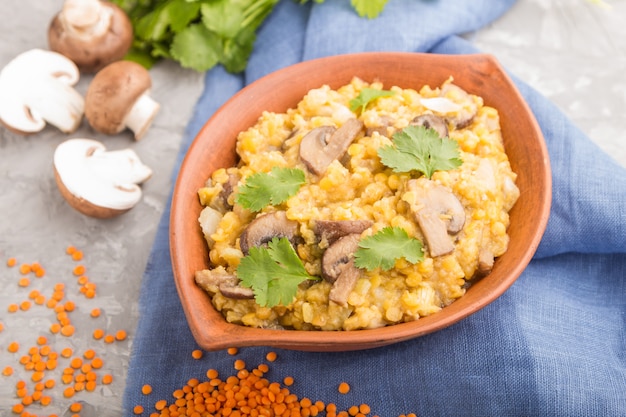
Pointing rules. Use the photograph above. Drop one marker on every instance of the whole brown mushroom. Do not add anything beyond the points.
(92, 33)
(118, 98)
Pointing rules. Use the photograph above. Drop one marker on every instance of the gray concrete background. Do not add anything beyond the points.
(572, 51)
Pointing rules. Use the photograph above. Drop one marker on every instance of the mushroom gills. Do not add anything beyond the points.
(331, 230)
(325, 144)
(266, 227)
(431, 121)
(215, 280)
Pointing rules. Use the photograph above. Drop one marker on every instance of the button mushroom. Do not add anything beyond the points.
(36, 88)
(227, 284)
(98, 183)
(91, 33)
(430, 121)
(438, 213)
(338, 267)
(324, 144)
(331, 230)
(266, 227)
(118, 98)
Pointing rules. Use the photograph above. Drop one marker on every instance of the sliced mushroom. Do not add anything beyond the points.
(92, 33)
(36, 88)
(430, 121)
(322, 145)
(227, 284)
(338, 267)
(485, 262)
(221, 202)
(96, 182)
(266, 227)
(331, 230)
(118, 98)
(438, 212)
(465, 115)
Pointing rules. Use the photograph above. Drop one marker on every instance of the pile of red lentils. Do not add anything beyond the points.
(57, 373)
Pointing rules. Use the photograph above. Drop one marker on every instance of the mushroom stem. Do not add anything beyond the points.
(141, 115)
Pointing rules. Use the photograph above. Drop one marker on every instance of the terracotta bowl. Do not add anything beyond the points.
(214, 148)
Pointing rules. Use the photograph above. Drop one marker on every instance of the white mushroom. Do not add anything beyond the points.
(96, 182)
(118, 98)
(36, 88)
(92, 33)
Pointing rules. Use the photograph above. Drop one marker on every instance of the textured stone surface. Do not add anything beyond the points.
(572, 51)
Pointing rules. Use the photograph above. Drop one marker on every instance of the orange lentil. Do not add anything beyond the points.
(344, 388)
(12, 308)
(79, 270)
(23, 282)
(50, 383)
(79, 386)
(353, 411)
(40, 299)
(77, 255)
(160, 405)
(38, 270)
(197, 354)
(25, 269)
(42, 340)
(232, 351)
(76, 363)
(7, 371)
(85, 368)
(95, 312)
(239, 364)
(70, 249)
(271, 356)
(1, 326)
(57, 296)
(67, 330)
(66, 352)
(45, 400)
(212, 374)
(45, 350)
(146, 389)
(76, 407)
(90, 386)
(51, 303)
(13, 347)
(18, 408)
(138, 409)
(89, 354)
(11, 262)
(83, 279)
(25, 305)
(67, 379)
(288, 381)
(69, 306)
(21, 384)
(59, 286)
(98, 334)
(36, 396)
(121, 335)
(109, 338)
(51, 364)
(69, 392)
(90, 293)
(96, 363)
(107, 379)
(55, 328)
(21, 392)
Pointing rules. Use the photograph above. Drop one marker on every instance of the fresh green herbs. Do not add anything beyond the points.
(382, 249)
(273, 272)
(416, 148)
(201, 34)
(275, 187)
(366, 96)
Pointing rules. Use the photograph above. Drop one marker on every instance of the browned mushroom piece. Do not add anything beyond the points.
(118, 98)
(466, 114)
(338, 267)
(331, 230)
(220, 202)
(92, 33)
(438, 212)
(266, 227)
(324, 144)
(382, 128)
(227, 284)
(485, 262)
(431, 121)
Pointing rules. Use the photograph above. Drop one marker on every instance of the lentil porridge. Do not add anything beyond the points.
(459, 214)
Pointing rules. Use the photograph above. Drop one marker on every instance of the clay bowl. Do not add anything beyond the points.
(214, 148)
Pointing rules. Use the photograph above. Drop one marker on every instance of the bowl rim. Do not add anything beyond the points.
(202, 320)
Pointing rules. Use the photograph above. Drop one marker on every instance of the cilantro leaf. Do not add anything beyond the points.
(366, 96)
(273, 272)
(196, 47)
(277, 186)
(382, 249)
(369, 8)
(420, 149)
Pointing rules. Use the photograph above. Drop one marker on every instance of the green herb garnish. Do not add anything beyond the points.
(274, 187)
(366, 96)
(382, 249)
(273, 272)
(417, 148)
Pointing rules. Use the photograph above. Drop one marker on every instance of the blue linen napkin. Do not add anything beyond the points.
(553, 344)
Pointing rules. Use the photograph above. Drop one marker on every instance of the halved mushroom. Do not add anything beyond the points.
(266, 227)
(96, 182)
(213, 280)
(324, 144)
(438, 213)
(118, 98)
(92, 33)
(36, 88)
(338, 267)
(331, 230)
(430, 121)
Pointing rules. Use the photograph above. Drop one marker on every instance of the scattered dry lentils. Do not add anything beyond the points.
(55, 373)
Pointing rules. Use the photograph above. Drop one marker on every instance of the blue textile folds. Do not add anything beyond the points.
(553, 344)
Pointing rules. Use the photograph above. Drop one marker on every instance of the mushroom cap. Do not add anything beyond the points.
(37, 87)
(266, 227)
(92, 50)
(96, 182)
(112, 93)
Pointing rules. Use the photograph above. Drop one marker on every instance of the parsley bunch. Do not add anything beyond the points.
(200, 34)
